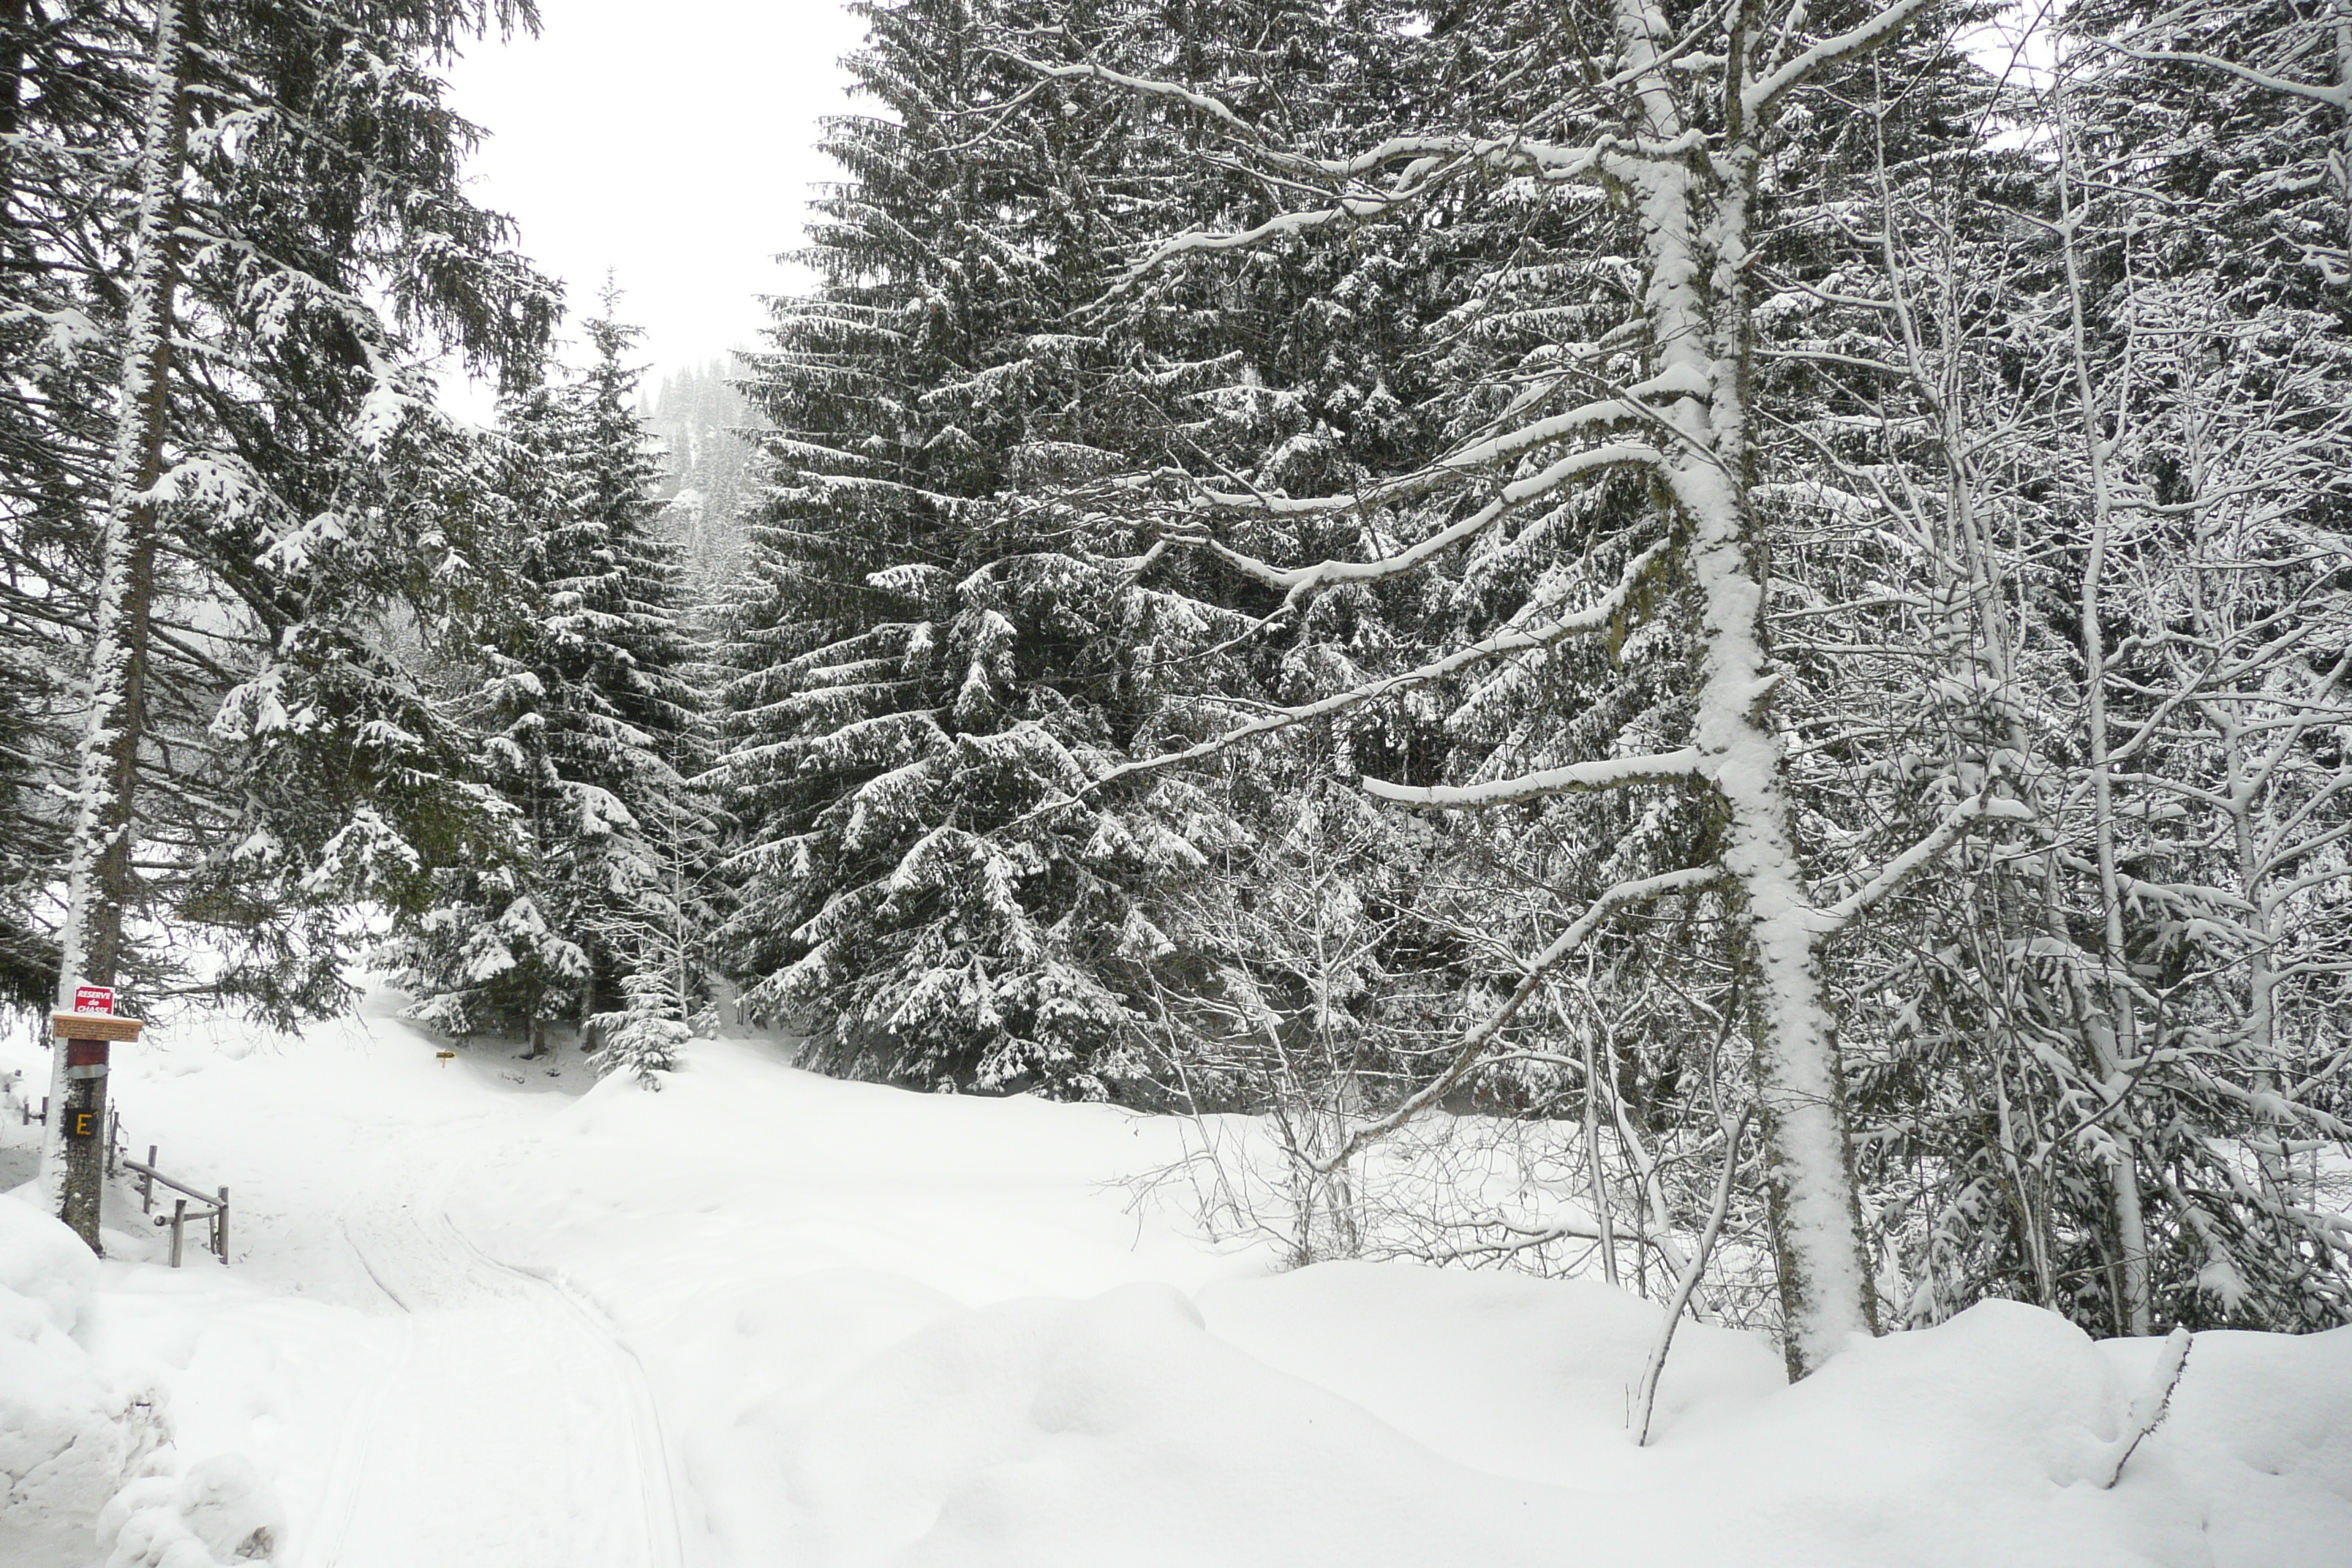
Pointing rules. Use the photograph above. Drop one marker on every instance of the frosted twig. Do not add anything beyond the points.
(2148, 1412)
(1977, 807)
(1648, 1397)
(1474, 1042)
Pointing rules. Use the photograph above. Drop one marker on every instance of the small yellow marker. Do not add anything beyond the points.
(446, 1057)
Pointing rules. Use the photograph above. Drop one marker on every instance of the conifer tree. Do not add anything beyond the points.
(232, 223)
(910, 684)
(310, 241)
(945, 644)
(590, 731)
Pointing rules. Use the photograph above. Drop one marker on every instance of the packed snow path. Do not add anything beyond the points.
(511, 1430)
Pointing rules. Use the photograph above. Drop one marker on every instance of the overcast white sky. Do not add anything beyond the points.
(673, 143)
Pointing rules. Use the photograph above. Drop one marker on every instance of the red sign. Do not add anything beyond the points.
(94, 999)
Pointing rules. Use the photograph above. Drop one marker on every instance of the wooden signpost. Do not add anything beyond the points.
(86, 1035)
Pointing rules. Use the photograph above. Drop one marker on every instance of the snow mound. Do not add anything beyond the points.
(2261, 1424)
(219, 1513)
(1503, 1372)
(61, 1440)
(67, 1431)
(43, 1261)
(1374, 1415)
(1052, 1433)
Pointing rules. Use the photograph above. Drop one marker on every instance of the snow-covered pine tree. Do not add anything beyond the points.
(882, 725)
(919, 670)
(274, 191)
(317, 188)
(590, 731)
(943, 638)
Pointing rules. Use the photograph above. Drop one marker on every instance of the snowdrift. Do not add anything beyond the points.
(903, 1329)
(878, 1328)
(66, 1433)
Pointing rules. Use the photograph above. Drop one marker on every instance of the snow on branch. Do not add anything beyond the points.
(1298, 579)
(2335, 95)
(1194, 240)
(1593, 618)
(1759, 96)
(1215, 108)
(1977, 807)
(1611, 773)
(1631, 406)
(1469, 1052)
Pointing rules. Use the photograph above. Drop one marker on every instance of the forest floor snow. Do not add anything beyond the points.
(483, 1312)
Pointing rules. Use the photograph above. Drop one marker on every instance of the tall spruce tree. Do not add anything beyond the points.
(234, 225)
(590, 731)
(307, 247)
(946, 647)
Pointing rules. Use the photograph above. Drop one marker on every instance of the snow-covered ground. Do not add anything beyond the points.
(480, 1314)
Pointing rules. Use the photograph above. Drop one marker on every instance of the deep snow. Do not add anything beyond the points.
(483, 1315)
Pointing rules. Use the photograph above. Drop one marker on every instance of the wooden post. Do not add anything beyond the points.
(83, 1041)
(83, 1116)
(179, 1219)
(220, 1228)
(147, 1183)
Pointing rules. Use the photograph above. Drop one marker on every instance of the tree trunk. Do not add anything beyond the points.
(1694, 224)
(2114, 1025)
(15, 18)
(100, 880)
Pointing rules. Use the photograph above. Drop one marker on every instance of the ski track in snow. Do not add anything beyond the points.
(510, 1428)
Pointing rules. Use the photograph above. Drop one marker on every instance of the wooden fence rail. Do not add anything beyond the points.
(216, 1209)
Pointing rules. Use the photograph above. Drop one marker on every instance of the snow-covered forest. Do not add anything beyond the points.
(1704, 648)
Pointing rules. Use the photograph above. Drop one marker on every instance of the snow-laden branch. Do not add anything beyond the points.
(1199, 240)
(1977, 807)
(1215, 108)
(1481, 454)
(1759, 96)
(1612, 772)
(2335, 95)
(1469, 1051)
(1298, 579)
(1423, 175)
(1593, 618)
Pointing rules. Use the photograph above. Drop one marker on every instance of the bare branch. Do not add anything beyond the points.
(1978, 808)
(1466, 1055)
